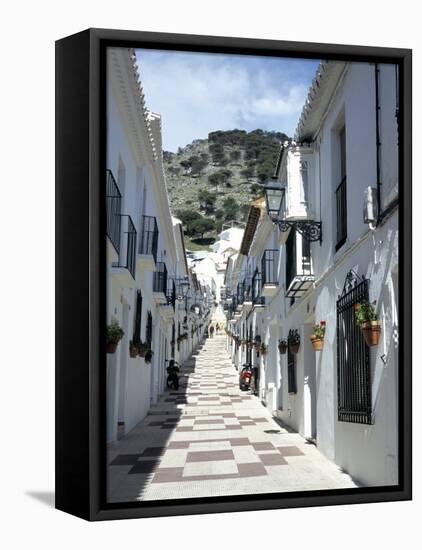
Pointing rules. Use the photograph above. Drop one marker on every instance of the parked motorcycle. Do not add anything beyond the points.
(173, 379)
(245, 377)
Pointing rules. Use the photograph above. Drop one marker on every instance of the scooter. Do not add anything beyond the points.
(173, 379)
(245, 377)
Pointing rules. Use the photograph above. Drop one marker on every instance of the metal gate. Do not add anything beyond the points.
(353, 362)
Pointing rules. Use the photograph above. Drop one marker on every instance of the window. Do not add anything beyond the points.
(305, 185)
(148, 329)
(341, 193)
(353, 365)
(291, 371)
(290, 257)
(138, 318)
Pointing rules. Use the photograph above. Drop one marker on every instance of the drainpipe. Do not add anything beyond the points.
(378, 142)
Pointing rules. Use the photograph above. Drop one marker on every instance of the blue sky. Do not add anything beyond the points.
(197, 93)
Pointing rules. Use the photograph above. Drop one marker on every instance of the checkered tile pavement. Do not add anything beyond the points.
(211, 439)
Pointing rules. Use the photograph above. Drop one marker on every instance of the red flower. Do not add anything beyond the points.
(322, 323)
(356, 306)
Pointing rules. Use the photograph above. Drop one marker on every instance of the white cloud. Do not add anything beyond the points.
(196, 93)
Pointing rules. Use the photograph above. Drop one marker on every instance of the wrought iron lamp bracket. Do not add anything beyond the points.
(307, 228)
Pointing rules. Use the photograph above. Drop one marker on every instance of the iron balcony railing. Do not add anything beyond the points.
(341, 210)
(127, 254)
(113, 210)
(269, 265)
(247, 289)
(240, 293)
(257, 298)
(159, 279)
(148, 243)
(171, 293)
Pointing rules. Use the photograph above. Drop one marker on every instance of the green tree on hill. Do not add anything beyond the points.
(202, 225)
(207, 201)
(188, 217)
(231, 209)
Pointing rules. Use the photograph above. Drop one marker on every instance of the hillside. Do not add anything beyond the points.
(212, 181)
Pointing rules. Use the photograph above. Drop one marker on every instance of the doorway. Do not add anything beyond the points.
(309, 384)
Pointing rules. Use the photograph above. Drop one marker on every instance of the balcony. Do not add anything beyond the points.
(159, 284)
(167, 310)
(269, 266)
(124, 268)
(148, 244)
(258, 300)
(299, 274)
(113, 212)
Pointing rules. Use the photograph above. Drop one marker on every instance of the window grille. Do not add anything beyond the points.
(148, 330)
(291, 371)
(353, 362)
(138, 318)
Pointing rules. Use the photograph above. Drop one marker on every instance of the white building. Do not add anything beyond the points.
(344, 397)
(149, 288)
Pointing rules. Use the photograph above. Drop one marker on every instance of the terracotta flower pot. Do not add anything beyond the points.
(111, 347)
(294, 348)
(371, 332)
(317, 343)
(282, 349)
(142, 351)
(133, 351)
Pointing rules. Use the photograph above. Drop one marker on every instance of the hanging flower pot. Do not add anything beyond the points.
(143, 348)
(317, 343)
(114, 334)
(282, 346)
(133, 349)
(317, 338)
(371, 332)
(148, 356)
(111, 347)
(294, 340)
(368, 322)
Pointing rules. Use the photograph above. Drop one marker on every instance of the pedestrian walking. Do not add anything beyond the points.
(211, 331)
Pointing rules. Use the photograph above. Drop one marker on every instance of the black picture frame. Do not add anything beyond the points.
(80, 276)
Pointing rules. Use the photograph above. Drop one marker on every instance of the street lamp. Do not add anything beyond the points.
(274, 196)
(182, 288)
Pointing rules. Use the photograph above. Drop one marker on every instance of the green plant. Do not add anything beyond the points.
(282, 345)
(365, 312)
(114, 332)
(319, 330)
(294, 337)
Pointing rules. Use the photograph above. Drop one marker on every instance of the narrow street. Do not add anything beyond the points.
(211, 439)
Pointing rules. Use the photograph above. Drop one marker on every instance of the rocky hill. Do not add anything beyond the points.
(212, 181)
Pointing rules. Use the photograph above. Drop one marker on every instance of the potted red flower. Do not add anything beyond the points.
(368, 322)
(317, 338)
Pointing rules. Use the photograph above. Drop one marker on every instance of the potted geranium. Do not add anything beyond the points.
(317, 338)
(294, 340)
(114, 334)
(282, 346)
(133, 349)
(368, 322)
